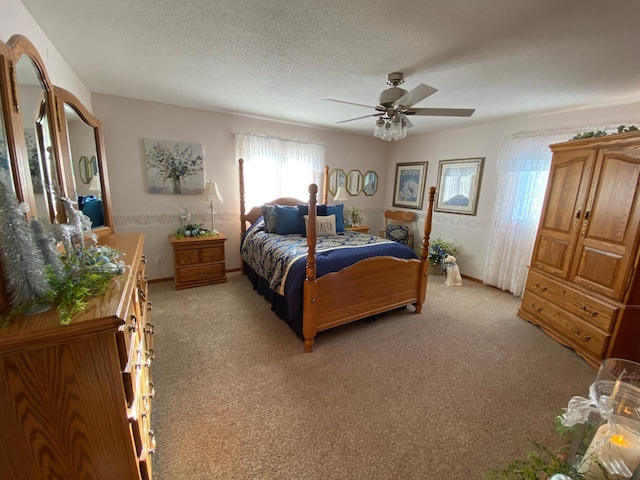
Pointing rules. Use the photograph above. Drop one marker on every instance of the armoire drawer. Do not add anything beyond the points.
(589, 309)
(578, 333)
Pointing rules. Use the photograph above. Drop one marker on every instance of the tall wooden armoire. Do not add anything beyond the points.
(583, 287)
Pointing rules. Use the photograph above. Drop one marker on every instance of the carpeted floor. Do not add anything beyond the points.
(464, 387)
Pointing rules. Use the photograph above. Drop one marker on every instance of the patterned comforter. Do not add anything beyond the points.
(281, 259)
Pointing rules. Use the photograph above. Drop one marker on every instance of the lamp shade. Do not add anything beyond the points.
(94, 186)
(341, 195)
(211, 192)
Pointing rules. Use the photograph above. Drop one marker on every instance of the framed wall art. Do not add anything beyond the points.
(459, 185)
(408, 188)
(174, 167)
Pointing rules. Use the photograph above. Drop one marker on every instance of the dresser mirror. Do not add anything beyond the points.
(83, 145)
(33, 103)
(6, 170)
(354, 182)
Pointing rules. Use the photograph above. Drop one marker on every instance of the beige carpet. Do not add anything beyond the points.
(448, 394)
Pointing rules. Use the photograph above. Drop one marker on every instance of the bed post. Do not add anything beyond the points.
(243, 223)
(310, 306)
(325, 186)
(424, 250)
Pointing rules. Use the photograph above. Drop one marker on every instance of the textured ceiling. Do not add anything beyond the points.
(279, 59)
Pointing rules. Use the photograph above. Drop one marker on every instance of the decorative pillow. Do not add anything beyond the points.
(270, 218)
(321, 211)
(338, 211)
(398, 233)
(325, 226)
(288, 220)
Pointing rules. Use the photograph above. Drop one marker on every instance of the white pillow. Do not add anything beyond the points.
(325, 225)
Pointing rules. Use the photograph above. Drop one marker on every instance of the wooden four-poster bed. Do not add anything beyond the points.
(324, 298)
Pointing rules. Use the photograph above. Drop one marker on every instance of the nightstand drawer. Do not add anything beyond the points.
(213, 254)
(196, 274)
(188, 256)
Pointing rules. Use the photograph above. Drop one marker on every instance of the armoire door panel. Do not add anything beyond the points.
(563, 211)
(609, 229)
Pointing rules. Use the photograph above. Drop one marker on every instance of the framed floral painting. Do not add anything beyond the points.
(459, 185)
(408, 188)
(174, 167)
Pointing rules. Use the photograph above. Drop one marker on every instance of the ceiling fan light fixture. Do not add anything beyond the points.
(377, 129)
(393, 128)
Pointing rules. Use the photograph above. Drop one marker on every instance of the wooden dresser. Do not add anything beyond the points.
(198, 260)
(75, 400)
(583, 286)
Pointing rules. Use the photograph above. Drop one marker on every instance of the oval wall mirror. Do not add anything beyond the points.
(370, 185)
(337, 178)
(354, 182)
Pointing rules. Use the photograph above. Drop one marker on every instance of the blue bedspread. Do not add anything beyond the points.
(281, 259)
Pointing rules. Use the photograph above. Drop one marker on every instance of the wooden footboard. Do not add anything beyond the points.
(369, 287)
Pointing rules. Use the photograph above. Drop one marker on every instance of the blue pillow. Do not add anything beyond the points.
(288, 220)
(270, 218)
(337, 210)
(321, 211)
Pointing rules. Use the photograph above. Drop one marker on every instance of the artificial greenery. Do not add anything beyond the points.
(87, 275)
(193, 230)
(602, 133)
(439, 249)
(544, 462)
(355, 216)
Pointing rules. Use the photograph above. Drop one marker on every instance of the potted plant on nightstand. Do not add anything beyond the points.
(354, 217)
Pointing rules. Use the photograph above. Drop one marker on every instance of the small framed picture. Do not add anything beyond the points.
(459, 185)
(408, 189)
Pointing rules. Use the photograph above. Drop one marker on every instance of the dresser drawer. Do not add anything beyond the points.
(578, 333)
(197, 274)
(591, 310)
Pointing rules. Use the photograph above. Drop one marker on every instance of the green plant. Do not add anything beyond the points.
(98, 265)
(439, 249)
(355, 216)
(602, 133)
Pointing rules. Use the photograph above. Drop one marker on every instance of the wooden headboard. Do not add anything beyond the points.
(248, 218)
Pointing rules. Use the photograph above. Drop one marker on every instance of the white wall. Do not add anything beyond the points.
(16, 19)
(127, 122)
(471, 233)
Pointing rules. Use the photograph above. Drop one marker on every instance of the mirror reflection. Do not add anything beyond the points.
(370, 183)
(6, 175)
(83, 152)
(37, 135)
(354, 182)
(337, 178)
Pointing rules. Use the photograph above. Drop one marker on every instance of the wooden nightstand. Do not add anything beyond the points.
(198, 260)
(360, 229)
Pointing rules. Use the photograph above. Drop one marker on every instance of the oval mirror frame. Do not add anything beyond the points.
(337, 178)
(85, 170)
(370, 183)
(354, 182)
(68, 106)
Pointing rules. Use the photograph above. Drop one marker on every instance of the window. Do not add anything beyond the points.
(277, 167)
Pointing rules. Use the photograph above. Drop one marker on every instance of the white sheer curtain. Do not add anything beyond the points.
(276, 167)
(523, 168)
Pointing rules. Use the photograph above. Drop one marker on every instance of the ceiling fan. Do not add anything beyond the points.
(395, 104)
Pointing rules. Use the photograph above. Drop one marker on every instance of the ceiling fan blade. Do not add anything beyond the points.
(414, 96)
(442, 112)
(406, 119)
(349, 103)
(358, 118)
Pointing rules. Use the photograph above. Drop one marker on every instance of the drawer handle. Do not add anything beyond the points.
(134, 326)
(586, 338)
(537, 310)
(591, 313)
(144, 259)
(151, 355)
(152, 390)
(542, 289)
(150, 329)
(152, 442)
